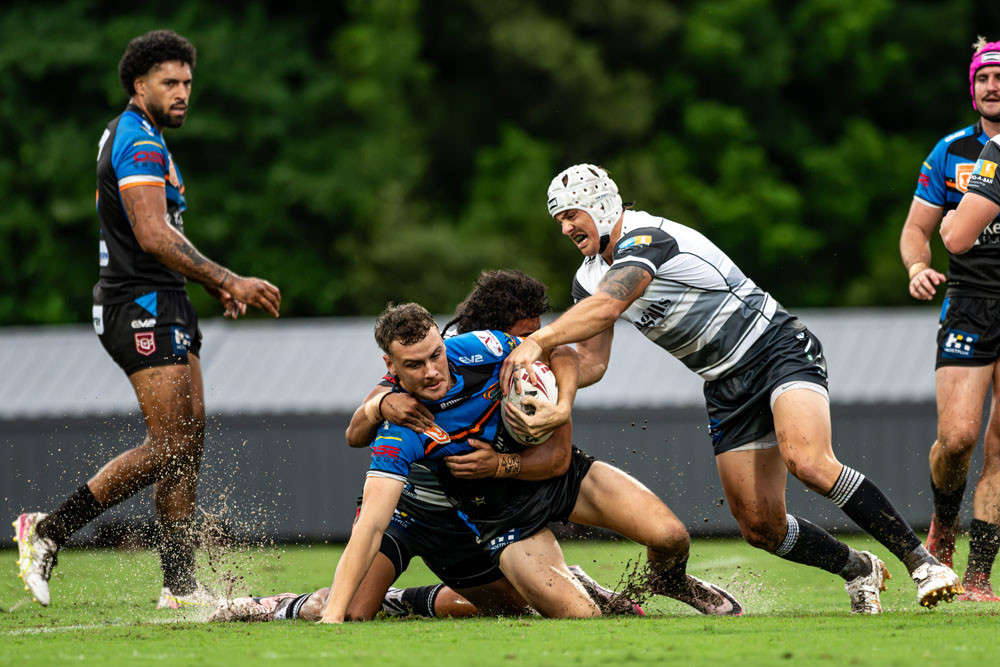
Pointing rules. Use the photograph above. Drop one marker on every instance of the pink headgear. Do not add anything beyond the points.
(986, 56)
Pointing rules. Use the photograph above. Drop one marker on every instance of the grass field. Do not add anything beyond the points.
(103, 611)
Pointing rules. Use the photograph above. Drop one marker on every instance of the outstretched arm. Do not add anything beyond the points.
(146, 208)
(619, 288)
(380, 497)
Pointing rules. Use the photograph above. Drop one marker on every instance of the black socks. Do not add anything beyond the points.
(75, 512)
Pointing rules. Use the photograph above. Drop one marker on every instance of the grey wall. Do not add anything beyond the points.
(292, 478)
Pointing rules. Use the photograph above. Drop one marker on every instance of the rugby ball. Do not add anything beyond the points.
(545, 390)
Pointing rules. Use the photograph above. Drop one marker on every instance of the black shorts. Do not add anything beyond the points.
(445, 543)
(526, 508)
(969, 331)
(739, 406)
(157, 329)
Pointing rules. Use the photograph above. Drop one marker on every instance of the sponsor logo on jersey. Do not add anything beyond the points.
(954, 135)
(634, 242)
(958, 344)
(145, 343)
(149, 156)
(172, 173)
(985, 169)
(181, 340)
(104, 257)
(654, 314)
(386, 451)
(962, 173)
(490, 341)
(448, 404)
(923, 180)
(492, 392)
(437, 434)
(144, 324)
(474, 359)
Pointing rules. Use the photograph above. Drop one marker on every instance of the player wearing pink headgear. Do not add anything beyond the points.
(969, 330)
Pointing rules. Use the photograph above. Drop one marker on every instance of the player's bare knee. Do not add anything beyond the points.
(672, 539)
(957, 445)
(763, 534)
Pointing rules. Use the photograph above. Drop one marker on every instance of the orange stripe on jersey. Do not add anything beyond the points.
(475, 428)
(160, 184)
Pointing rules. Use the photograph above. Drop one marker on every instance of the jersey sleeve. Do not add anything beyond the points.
(478, 348)
(394, 449)
(646, 247)
(983, 180)
(139, 159)
(931, 188)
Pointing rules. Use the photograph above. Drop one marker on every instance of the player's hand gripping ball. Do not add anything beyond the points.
(546, 390)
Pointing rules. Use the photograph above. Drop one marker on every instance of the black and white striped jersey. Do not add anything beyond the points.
(699, 306)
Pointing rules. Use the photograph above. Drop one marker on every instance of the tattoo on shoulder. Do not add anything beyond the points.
(623, 283)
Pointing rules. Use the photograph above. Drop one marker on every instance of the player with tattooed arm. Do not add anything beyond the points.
(147, 324)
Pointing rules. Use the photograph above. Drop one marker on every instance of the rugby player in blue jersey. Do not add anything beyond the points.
(969, 330)
(147, 324)
(764, 372)
(457, 380)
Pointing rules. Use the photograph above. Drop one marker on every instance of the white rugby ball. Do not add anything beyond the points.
(546, 390)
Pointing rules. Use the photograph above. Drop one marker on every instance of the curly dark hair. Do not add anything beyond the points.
(406, 322)
(499, 299)
(147, 51)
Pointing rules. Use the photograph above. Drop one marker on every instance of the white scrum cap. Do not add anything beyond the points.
(588, 188)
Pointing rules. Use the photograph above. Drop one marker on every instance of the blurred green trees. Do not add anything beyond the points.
(391, 149)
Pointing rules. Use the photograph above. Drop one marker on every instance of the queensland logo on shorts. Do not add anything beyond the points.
(958, 344)
(633, 242)
(962, 173)
(181, 340)
(490, 341)
(145, 343)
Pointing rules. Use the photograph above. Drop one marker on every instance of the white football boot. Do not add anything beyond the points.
(37, 556)
(864, 590)
(935, 583)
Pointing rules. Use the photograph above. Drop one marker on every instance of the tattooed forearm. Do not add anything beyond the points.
(509, 465)
(624, 284)
(184, 257)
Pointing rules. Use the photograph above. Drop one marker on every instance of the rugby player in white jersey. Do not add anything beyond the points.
(765, 380)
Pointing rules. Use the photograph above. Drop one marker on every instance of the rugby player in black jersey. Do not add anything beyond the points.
(969, 331)
(764, 372)
(147, 324)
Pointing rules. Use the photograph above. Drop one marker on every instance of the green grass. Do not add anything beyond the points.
(103, 611)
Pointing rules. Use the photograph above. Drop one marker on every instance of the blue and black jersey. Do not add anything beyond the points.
(132, 153)
(943, 181)
(470, 409)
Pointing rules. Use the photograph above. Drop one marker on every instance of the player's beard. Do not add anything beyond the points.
(162, 117)
(994, 118)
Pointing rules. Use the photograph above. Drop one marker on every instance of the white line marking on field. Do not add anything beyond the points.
(91, 626)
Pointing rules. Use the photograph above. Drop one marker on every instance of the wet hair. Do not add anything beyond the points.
(407, 323)
(147, 51)
(499, 299)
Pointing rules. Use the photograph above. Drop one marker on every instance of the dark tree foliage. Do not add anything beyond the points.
(390, 149)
